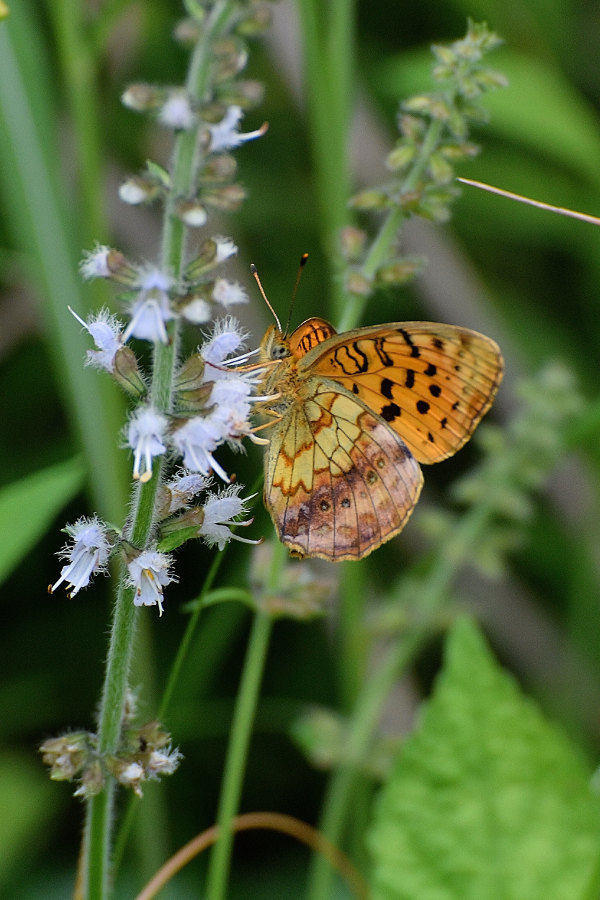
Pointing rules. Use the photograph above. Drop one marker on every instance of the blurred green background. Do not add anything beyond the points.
(527, 278)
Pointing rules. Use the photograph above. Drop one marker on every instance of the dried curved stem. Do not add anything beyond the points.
(272, 822)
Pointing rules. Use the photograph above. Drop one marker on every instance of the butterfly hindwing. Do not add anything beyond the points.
(338, 481)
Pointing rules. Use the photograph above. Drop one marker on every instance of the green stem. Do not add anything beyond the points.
(237, 752)
(328, 65)
(372, 698)
(389, 231)
(241, 729)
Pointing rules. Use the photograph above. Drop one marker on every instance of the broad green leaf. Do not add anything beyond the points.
(28, 506)
(487, 799)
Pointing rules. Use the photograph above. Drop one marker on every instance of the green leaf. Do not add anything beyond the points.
(29, 806)
(28, 506)
(487, 799)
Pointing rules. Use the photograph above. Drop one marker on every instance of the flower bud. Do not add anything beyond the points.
(245, 94)
(231, 57)
(142, 97)
(370, 200)
(358, 284)
(257, 22)
(399, 272)
(191, 212)
(139, 189)
(227, 198)
(400, 157)
(352, 243)
(66, 755)
(219, 168)
(441, 170)
(127, 374)
(188, 31)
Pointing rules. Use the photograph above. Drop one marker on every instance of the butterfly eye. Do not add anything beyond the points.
(279, 351)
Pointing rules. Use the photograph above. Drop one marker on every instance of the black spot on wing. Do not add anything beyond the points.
(387, 387)
(390, 412)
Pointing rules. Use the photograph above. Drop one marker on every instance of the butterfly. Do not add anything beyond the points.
(350, 417)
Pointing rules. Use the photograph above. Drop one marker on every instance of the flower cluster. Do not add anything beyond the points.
(144, 754)
(180, 519)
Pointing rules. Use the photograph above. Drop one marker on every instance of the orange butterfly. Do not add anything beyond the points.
(353, 416)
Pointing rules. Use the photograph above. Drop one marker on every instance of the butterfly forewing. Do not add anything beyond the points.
(431, 383)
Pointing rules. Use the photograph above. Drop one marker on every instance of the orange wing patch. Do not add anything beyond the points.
(431, 383)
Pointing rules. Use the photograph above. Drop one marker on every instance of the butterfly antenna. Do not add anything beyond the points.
(264, 296)
(303, 261)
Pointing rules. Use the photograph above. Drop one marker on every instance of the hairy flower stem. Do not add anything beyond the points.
(186, 159)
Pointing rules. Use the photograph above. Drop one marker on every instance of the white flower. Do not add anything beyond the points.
(227, 337)
(95, 263)
(132, 776)
(163, 762)
(176, 112)
(231, 397)
(184, 487)
(145, 434)
(192, 213)
(196, 440)
(224, 135)
(148, 575)
(225, 248)
(106, 331)
(228, 293)
(221, 511)
(134, 191)
(88, 554)
(197, 311)
(151, 309)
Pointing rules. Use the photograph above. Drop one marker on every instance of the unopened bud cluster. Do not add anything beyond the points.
(144, 754)
(433, 137)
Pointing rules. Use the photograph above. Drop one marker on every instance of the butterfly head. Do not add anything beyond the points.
(274, 345)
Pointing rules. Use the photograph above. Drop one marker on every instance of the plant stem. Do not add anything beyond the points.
(327, 31)
(237, 751)
(183, 172)
(390, 229)
(243, 719)
(370, 702)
